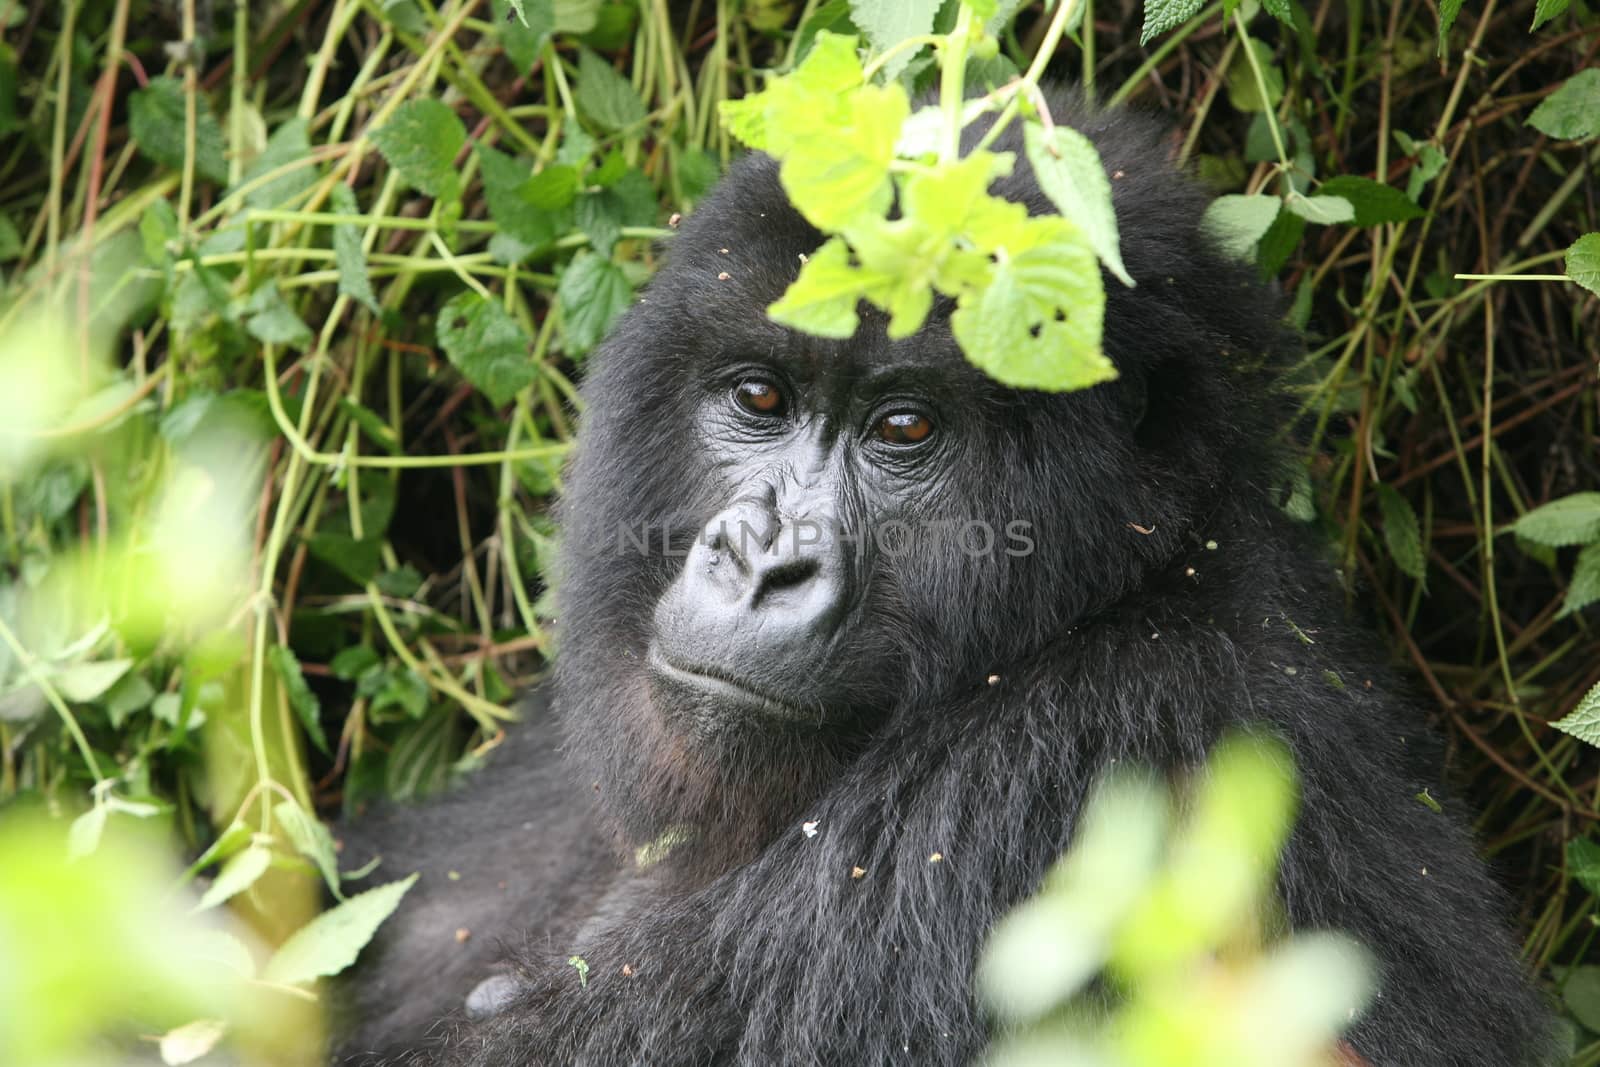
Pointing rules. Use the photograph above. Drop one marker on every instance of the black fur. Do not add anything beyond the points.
(1167, 599)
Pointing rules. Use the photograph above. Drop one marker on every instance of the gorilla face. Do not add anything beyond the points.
(828, 465)
(775, 545)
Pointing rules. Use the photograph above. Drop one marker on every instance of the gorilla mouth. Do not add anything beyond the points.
(722, 688)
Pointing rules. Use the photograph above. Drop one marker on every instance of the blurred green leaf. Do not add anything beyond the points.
(330, 942)
(1571, 520)
(157, 119)
(239, 873)
(1069, 171)
(605, 96)
(421, 142)
(1572, 112)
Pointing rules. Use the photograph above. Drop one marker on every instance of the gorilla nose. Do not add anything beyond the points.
(750, 567)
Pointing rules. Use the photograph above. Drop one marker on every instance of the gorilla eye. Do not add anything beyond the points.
(760, 397)
(905, 428)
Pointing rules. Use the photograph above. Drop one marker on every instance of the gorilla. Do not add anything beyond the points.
(849, 629)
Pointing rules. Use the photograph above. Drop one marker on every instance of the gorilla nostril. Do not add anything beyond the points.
(789, 573)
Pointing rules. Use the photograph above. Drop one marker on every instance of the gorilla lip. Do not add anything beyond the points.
(720, 687)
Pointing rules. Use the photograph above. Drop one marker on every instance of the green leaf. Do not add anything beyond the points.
(1039, 321)
(592, 292)
(157, 118)
(488, 346)
(1373, 202)
(1572, 112)
(524, 27)
(356, 560)
(1583, 722)
(1582, 995)
(1279, 243)
(81, 683)
(503, 181)
(311, 839)
(272, 321)
(1322, 210)
(421, 142)
(306, 706)
(1584, 589)
(1402, 533)
(11, 240)
(1237, 222)
(822, 300)
(1583, 861)
(1583, 262)
(288, 144)
(329, 943)
(239, 873)
(1244, 92)
(83, 836)
(1282, 10)
(605, 96)
(1448, 10)
(1572, 520)
(1069, 171)
(888, 22)
(347, 252)
(552, 189)
(1545, 10)
(1163, 15)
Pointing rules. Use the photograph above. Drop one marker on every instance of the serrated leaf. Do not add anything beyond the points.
(592, 292)
(272, 321)
(239, 873)
(329, 943)
(1237, 222)
(1282, 10)
(288, 144)
(1322, 210)
(421, 142)
(605, 96)
(304, 702)
(1069, 170)
(1571, 520)
(888, 22)
(1572, 112)
(1163, 15)
(1545, 10)
(1373, 202)
(1448, 11)
(1583, 262)
(311, 839)
(1584, 589)
(1039, 321)
(488, 346)
(1402, 533)
(157, 119)
(1583, 722)
(503, 181)
(347, 252)
(822, 300)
